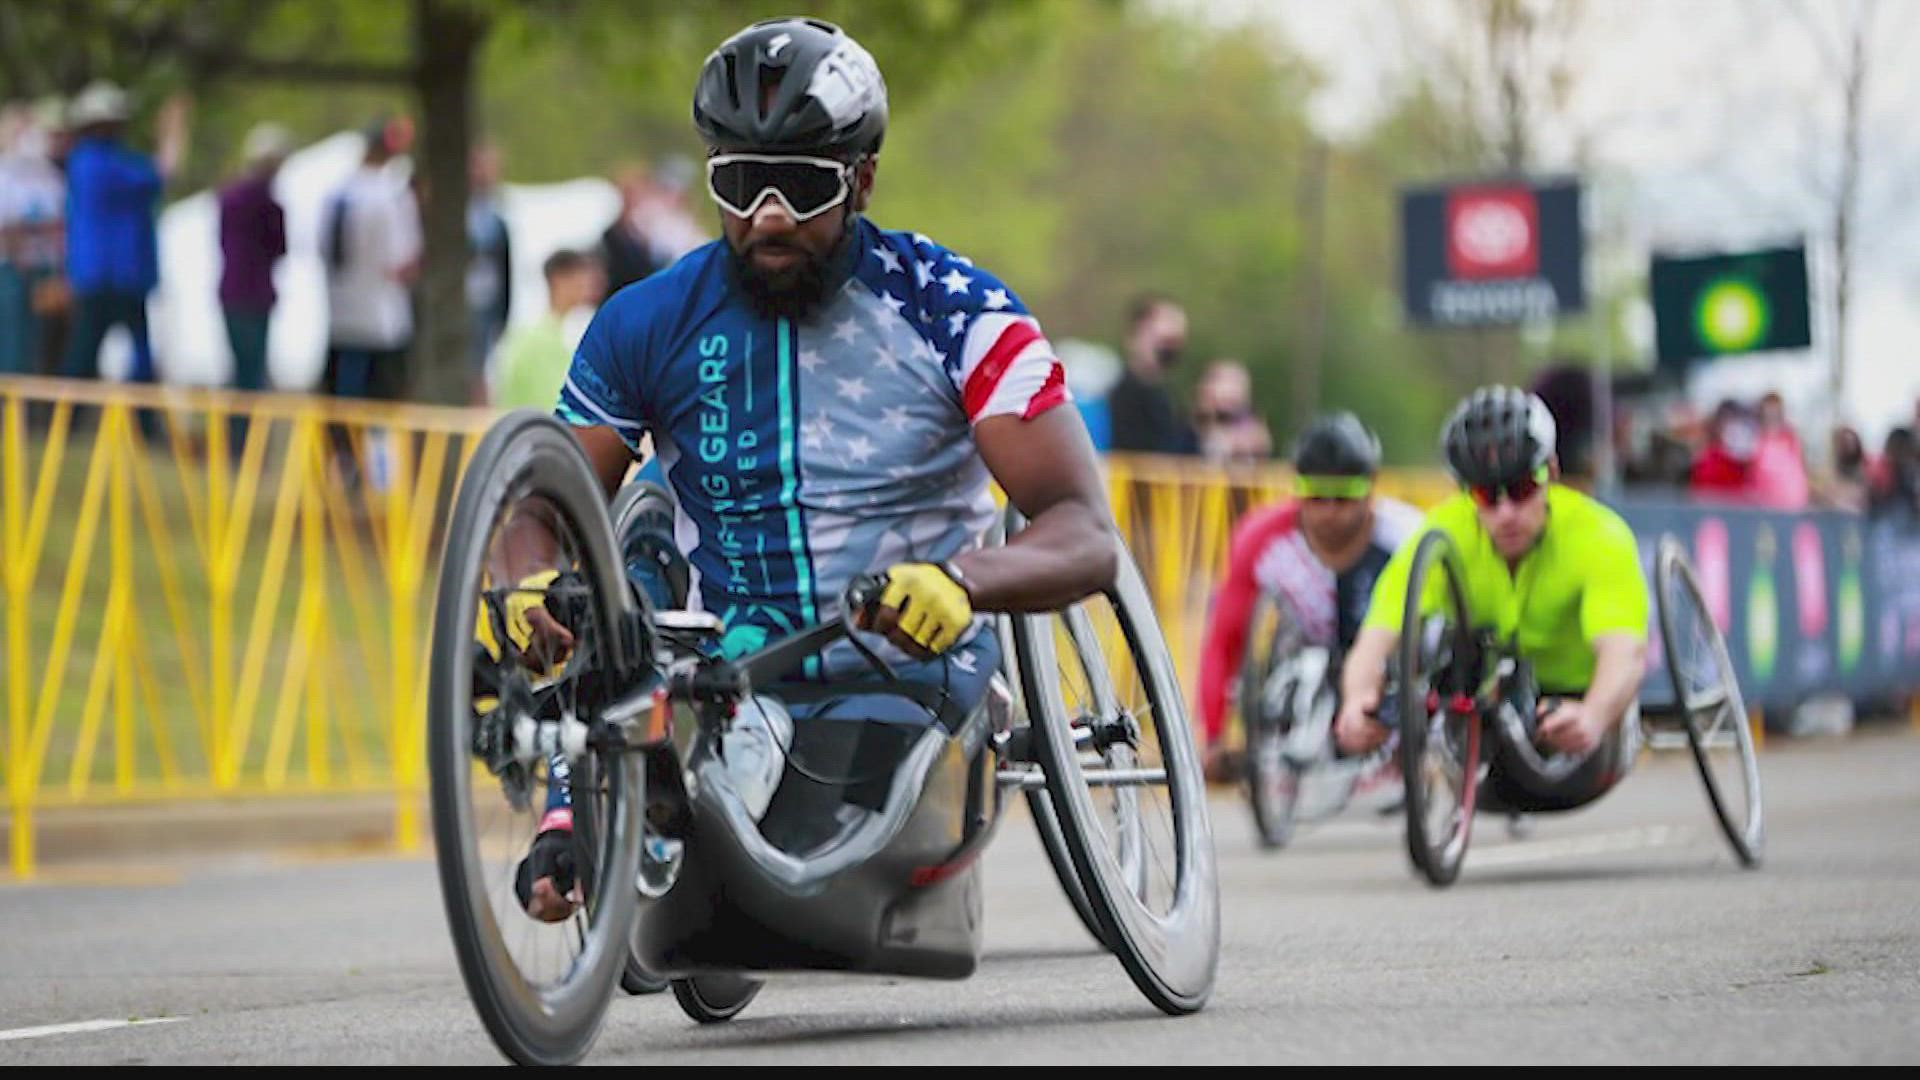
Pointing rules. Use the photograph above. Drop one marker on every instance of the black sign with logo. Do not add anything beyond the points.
(1716, 305)
(1491, 252)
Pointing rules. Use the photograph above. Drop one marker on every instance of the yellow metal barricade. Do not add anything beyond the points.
(219, 594)
(257, 622)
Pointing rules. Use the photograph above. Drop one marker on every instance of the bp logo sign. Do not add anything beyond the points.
(1718, 305)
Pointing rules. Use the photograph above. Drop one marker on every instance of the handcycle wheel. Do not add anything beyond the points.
(1123, 774)
(1439, 744)
(715, 999)
(1273, 782)
(636, 510)
(1039, 803)
(1706, 691)
(540, 989)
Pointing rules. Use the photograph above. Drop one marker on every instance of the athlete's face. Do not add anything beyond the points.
(783, 263)
(1335, 524)
(1514, 525)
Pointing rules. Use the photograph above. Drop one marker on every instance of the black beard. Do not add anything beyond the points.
(793, 293)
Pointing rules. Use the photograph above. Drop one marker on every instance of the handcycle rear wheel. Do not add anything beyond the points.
(1436, 667)
(1706, 692)
(541, 989)
(1123, 774)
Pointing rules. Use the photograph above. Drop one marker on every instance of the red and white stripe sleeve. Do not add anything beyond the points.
(1008, 368)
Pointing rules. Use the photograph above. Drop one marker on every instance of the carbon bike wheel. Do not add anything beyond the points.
(1439, 742)
(715, 999)
(540, 989)
(1706, 691)
(1273, 782)
(1039, 803)
(642, 514)
(1123, 772)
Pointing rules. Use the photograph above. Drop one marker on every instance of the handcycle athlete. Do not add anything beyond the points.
(828, 400)
(1307, 567)
(1552, 581)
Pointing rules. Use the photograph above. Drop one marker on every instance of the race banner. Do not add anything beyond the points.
(1809, 603)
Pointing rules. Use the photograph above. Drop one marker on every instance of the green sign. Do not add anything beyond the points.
(1718, 305)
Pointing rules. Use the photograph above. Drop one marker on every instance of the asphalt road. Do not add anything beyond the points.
(1623, 933)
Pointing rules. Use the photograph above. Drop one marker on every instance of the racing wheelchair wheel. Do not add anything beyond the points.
(541, 989)
(1437, 670)
(1123, 775)
(642, 516)
(1273, 782)
(715, 999)
(1039, 804)
(1706, 691)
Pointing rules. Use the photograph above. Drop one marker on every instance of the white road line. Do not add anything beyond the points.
(1651, 836)
(84, 1025)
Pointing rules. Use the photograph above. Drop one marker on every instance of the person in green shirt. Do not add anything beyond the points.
(1555, 575)
(531, 361)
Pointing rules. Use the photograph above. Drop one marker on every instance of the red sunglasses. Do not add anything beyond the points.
(1517, 491)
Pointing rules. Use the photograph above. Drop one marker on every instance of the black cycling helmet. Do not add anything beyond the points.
(1337, 444)
(1498, 435)
(791, 85)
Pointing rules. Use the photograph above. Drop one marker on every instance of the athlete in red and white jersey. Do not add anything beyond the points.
(1317, 553)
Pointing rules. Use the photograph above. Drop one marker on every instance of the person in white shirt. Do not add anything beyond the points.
(372, 245)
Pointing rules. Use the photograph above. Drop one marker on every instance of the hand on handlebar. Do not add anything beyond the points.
(920, 607)
(540, 639)
(1358, 728)
(1566, 727)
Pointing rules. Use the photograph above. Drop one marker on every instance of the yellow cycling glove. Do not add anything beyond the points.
(934, 607)
(529, 594)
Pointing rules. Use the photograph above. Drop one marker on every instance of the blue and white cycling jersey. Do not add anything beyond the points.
(803, 454)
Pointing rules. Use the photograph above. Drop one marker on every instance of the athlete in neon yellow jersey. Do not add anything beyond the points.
(1554, 574)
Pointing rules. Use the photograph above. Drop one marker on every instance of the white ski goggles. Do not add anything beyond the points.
(805, 186)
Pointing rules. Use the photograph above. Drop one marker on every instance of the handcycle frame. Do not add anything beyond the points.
(895, 892)
(1475, 675)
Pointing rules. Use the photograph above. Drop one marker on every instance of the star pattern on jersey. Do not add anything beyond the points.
(810, 359)
(815, 432)
(846, 331)
(854, 389)
(859, 449)
(896, 417)
(943, 299)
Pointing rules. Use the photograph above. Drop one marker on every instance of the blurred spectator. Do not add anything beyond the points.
(1568, 393)
(253, 237)
(534, 357)
(1896, 480)
(1144, 416)
(490, 264)
(1227, 428)
(1724, 469)
(112, 191)
(372, 247)
(1092, 369)
(668, 223)
(625, 248)
(33, 194)
(1779, 473)
(1851, 488)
